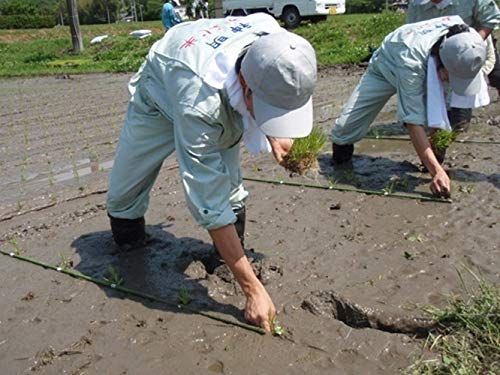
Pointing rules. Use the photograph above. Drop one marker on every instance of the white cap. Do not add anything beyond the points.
(280, 69)
(420, 2)
(463, 55)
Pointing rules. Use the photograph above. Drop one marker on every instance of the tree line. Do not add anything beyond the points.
(48, 13)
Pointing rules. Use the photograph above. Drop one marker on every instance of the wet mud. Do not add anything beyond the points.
(350, 273)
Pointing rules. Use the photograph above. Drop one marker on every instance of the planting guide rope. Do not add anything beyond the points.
(133, 292)
(354, 190)
(475, 141)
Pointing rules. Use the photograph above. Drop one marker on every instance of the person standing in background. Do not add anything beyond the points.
(168, 16)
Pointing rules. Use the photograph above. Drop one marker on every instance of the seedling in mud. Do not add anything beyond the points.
(442, 139)
(416, 238)
(304, 152)
(114, 277)
(75, 173)
(16, 246)
(466, 189)
(64, 261)
(52, 198)
(394, 183)
(331, 181)
(374, 133)
(19, 205)
(256, 168)
(276, 329)
(184, 297)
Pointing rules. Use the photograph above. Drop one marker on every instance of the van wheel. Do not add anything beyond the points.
(238, 13)
(291, 17)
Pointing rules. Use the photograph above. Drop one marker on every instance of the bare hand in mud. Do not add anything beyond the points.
(280, 147)
(440, 184)
(259, 309)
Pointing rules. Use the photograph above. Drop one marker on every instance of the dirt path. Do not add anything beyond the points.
(349, 272)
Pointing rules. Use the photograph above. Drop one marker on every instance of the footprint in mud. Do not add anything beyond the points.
(331, 304)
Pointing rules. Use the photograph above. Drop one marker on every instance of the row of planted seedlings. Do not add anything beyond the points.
(303, 157)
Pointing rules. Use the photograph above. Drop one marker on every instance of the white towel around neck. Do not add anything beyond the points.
(436, 98)
(221, 74)
(437, 116)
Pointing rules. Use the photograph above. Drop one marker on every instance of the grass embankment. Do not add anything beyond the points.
(341, 39)
(467, 339)
(47, 51)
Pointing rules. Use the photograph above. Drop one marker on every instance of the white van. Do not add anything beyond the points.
(291, 12)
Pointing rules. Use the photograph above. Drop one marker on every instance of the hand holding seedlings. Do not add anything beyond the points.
(304, 153)
(280, 147)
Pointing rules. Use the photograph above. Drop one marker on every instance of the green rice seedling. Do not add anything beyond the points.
(114, 277)
(17, 248)
(76, 175)
(416, 238)
(19, 205)
(276, 329)
(374, 133)
(304, 152)
(394, 183)
(331, 181)
(467, 338)
(442, 139)
(64, 261)
(256, 168)
(469, 189)
(184, 297)
(52, 198)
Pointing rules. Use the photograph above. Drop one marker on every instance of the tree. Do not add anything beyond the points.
(74, 24)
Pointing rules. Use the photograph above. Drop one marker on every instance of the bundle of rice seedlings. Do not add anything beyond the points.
(304, 153)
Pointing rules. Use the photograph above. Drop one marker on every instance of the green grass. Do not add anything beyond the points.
(48, 51)
(467, 340)
(342, 39)
(345, 39)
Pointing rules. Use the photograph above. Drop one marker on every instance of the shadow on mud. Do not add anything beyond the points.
(163, 268)
(467, 175)
(374, 173)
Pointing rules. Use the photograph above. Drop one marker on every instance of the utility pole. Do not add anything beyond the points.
(106, 4)
(74, 25)
(140, 10)
(218, 9)
(134, 10)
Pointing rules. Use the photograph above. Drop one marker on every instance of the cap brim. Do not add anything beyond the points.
(283, 123)
(466, 87)
(420, 2)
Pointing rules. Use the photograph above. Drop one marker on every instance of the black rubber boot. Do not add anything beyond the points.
(128, 232)
(239, 225)
(342, 154)
(440, 155)
(460, 119)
